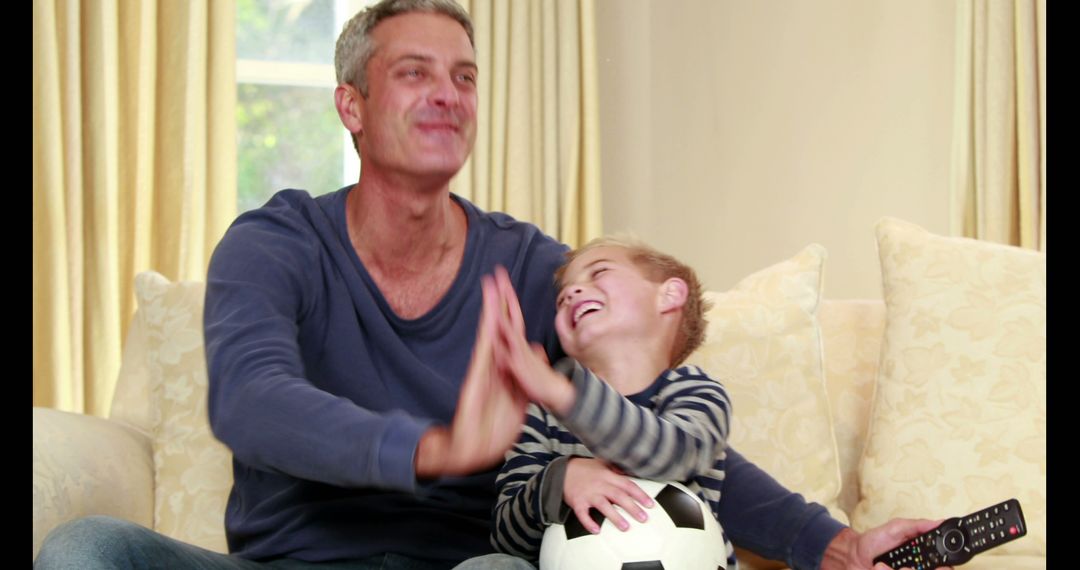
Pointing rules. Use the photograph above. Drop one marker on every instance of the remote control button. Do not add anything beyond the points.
(954, 540)
(1013, 530)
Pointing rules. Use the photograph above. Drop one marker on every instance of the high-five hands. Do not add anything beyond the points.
(527, 365)
(490, 410)
(589, 483)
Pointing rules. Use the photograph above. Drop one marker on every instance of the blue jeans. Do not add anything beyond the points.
(109, 543)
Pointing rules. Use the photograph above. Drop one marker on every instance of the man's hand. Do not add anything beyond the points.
(591, 483)
(856, 551)
(490, 410)
(527, 365)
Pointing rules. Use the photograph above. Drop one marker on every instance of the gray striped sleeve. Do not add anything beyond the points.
(682, 437)
(530, 485)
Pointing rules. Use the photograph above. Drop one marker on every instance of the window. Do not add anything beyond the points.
(288, 132)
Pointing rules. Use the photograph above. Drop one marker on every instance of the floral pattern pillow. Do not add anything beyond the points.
(764, 345)
(193, 470)
(959, 418)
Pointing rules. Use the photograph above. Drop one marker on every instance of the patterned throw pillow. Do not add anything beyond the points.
(193, 470)
(764, 345)
(959, 419)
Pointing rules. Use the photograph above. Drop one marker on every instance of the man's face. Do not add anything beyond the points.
(420, 114)
(604, 294)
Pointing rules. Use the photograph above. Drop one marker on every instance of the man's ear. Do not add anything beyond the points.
(673, 294)
(350, 105)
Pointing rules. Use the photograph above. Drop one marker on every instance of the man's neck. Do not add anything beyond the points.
(403, 226)
(411, 240)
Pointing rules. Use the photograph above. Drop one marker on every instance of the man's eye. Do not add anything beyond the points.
(466, 78)
(413, 73)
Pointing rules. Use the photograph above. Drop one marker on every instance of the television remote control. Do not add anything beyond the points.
(958, 539)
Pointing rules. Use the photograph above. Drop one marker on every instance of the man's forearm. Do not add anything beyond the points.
(840, 552)
(762, 516)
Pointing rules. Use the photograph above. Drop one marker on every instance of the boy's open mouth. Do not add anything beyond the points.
(585, 307)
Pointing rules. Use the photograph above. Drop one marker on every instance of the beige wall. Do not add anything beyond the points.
(735, 133)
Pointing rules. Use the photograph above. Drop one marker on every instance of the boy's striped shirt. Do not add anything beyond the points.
(675, 430)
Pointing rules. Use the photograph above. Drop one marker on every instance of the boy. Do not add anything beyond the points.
(627, 315)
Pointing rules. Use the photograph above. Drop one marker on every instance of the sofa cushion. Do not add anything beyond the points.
(764, 344)
(959, 418)
(193, 470)
(851, 332)
(79, 463)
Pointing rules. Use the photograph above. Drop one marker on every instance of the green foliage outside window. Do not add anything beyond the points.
(286, 30)
(287, 136)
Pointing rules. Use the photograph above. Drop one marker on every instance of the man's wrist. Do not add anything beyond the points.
(840, 554)
(430, 460)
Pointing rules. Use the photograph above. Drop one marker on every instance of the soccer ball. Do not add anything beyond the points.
(680, 534)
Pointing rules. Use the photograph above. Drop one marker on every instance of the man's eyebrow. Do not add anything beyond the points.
(429, 59)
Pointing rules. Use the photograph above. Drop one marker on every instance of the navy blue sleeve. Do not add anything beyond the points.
(262, 280)
(762, 516)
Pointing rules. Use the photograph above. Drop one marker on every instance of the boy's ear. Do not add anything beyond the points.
(673, 294)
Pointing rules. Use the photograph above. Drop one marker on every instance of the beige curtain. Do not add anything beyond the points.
(134, 169)
(999, 148)
(537, 153)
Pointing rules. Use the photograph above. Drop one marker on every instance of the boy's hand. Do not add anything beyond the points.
(591, 483)
(528, 365)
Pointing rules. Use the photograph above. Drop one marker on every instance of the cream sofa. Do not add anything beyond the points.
(802, 373)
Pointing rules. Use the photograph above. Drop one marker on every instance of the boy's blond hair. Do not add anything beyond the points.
(658, 267)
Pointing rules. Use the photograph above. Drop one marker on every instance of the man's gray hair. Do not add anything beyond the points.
(355, 46)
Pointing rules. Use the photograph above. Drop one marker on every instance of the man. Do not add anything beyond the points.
(339, 331)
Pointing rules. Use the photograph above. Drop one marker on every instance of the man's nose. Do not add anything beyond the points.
(443, 92)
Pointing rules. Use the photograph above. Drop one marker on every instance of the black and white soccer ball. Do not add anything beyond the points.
(680, 534)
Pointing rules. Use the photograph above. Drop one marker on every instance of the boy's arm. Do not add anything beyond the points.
(530, 490)
(678, 440)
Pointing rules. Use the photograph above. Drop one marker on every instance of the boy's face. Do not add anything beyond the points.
(605, 293)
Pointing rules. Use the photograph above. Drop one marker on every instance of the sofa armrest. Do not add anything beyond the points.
(84, 465)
